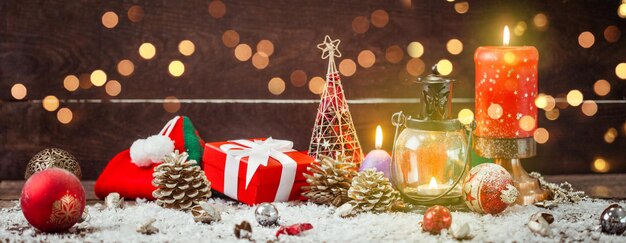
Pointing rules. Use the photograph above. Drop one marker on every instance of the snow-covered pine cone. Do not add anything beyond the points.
(371, 191)
(180, 183)
(329, 180)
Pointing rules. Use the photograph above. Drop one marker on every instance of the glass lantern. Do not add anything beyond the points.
(430, 155)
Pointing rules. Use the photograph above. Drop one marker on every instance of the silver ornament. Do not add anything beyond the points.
(266, 214)
(613, 220)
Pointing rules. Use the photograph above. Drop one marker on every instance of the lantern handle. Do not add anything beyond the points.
(397, 119)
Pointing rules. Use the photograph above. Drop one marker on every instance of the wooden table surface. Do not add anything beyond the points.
(608, 186)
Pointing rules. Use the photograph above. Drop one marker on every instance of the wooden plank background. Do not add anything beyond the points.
(43, 41)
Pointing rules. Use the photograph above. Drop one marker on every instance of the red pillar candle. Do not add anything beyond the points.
(506, 88)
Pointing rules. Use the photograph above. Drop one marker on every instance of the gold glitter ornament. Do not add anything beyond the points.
(53, 157)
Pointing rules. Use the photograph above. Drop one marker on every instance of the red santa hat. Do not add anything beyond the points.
(129, 173)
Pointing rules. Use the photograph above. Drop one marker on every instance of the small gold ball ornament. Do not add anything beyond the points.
(53, 157)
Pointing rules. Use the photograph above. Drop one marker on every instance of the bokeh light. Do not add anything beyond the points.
(466, 116)
(125, 67)
(171, 104)
(276, 86)
(574, 97)
(454, 46)
(230, 38)
(600, 165)
(552, 114)
(260, 60)
(85, 81)
(620, 70)
(217, 9)
(186, 47)
(176, 68)
(366, 58)
(520, 28)
(541, 21)
(243, 52)
(265, 46)
(415, 49)
(415, 67)
(602, 87)
(444, 67)
(589, 107)
(135, 13)
(541, 101)
(621, 10)
(18, 91)
(494, 111)
(316, 85)
(562, 104)
(98, 77)
(586, 39)
(147, 51)
(347, 67)
(527, 123)
(113, 88)
(64, 115)
(71, 83)
(298, 78)
(394, 54)
(50, 103)
(110, 19)
(380, 18)
(541, 135)
(461, 7)
(612, 33)
(610, 135)
(360, 24)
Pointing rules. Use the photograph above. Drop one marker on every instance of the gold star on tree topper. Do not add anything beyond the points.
(329, 47)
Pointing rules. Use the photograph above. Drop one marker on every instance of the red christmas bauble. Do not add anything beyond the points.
(488, 188)
(436, 218)
(53, 200)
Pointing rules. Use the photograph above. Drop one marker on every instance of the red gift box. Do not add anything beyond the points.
(230, 166)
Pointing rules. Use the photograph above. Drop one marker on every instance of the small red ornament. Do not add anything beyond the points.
(53, 200)
(436, 218)
(488, 188)
(293, 229)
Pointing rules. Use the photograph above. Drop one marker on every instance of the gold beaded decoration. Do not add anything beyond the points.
(53, 157)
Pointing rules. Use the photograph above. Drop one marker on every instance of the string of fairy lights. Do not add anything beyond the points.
(394, 54)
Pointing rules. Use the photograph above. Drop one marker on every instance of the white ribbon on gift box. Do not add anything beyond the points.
(259, 153)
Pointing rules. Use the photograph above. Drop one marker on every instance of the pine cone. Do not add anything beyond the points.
(329, 180)
(180, 183)
(372, 191)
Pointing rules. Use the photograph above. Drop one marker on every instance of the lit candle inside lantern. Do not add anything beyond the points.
(377, 159)
(433, 188)
(506, 88)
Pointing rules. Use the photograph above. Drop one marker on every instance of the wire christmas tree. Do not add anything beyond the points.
(334, 133)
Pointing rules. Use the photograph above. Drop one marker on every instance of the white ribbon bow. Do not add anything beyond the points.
(259, 153)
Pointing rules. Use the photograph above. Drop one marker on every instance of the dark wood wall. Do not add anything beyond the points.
(43, 41)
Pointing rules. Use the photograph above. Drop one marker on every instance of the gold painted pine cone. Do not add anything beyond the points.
(371, 191)
(329, 180)
(180, 183)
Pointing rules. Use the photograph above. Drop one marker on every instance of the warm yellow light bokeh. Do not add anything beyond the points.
(610, 135)
(260, 60)
(18, 91)
(620, 70)
(113, 88)
(110, 19)
(621, 11)
(171, 104)
(602, 87)
(586, 39)
(589, 107)
(494, 111)
(71, 83)
(125, 67)
(230, 38)
(541, 135)
(466, 116)
(461, 7)
(444, 67)
(394, 54)
(147, 51)
(265, 46)
(366, 58)
(276, 86)
(186, 47)
(454, 46)
(316, 85)
(50, 103)
(415, 67)
(600, 165)
(243, 52)
(552, 114)
(176, 68)
(527, 123)
(347, 67)
(415, 49)
(379, 18)
(574, 97)
(98, 77)
(541, 21)
(360, 24)
(64, 115)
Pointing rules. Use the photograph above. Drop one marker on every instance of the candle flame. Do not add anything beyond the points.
(379, 137)
(433, 183)
(506, 35)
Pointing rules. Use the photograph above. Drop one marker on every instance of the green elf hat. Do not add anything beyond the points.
(178, 134)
